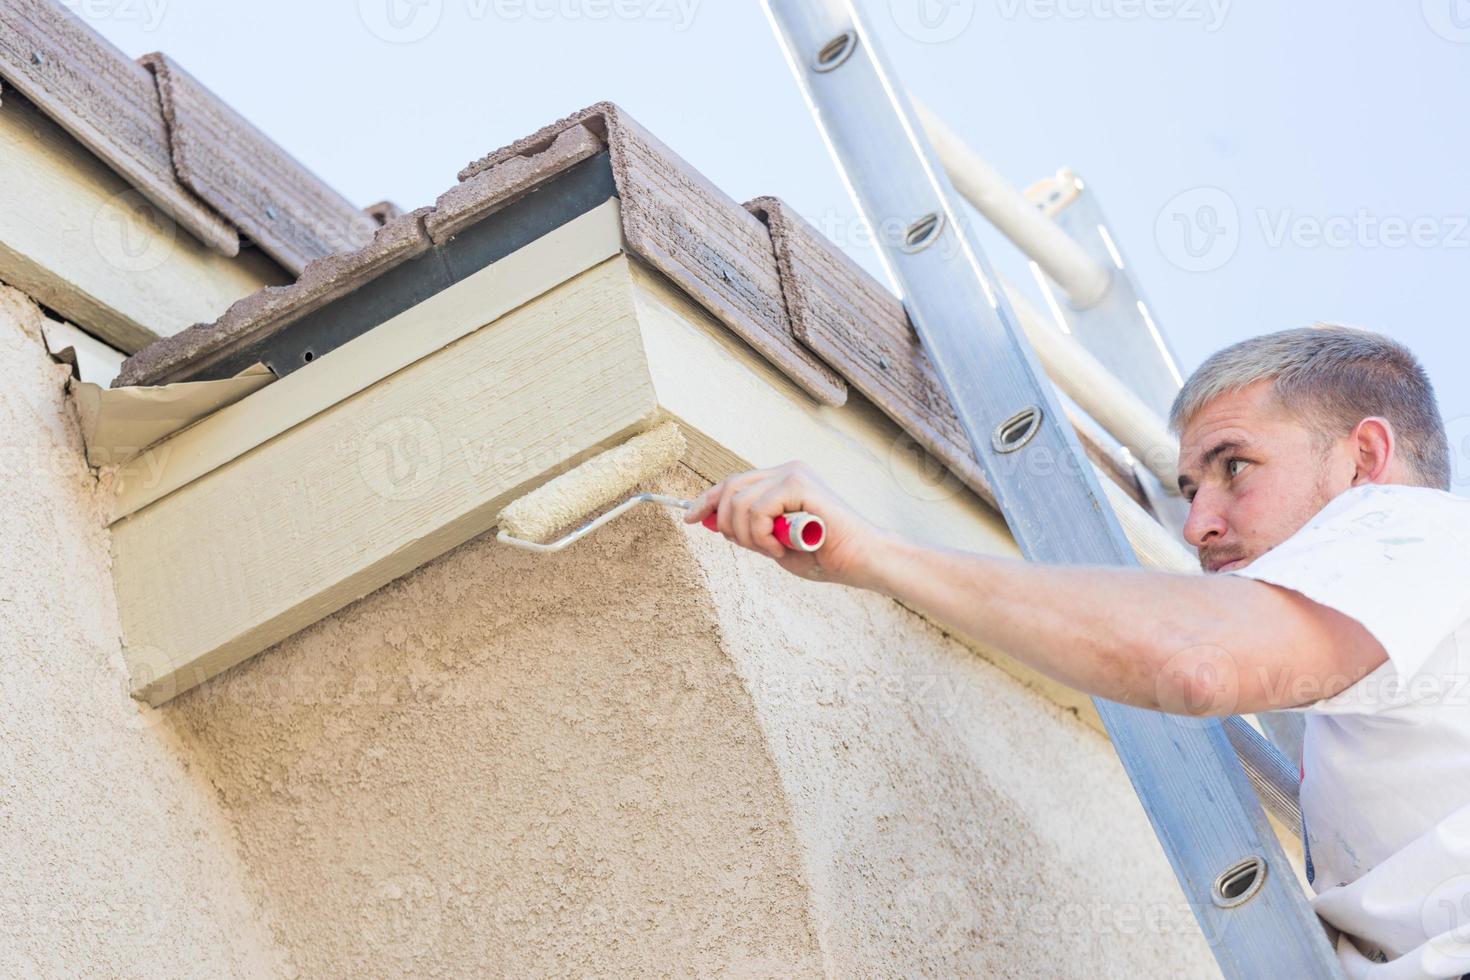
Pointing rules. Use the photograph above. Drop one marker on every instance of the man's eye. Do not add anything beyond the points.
(1235, 466)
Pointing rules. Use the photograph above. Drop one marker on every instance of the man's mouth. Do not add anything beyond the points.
(1214, 567)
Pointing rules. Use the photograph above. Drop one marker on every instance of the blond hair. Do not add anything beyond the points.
(1334, 377)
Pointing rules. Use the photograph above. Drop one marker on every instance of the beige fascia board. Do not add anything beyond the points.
(378, 484)
(75, 236)
(416, 333)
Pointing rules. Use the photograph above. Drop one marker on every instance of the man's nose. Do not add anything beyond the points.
(1205, 523)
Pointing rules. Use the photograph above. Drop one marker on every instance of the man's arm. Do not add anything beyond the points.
(1188, 644)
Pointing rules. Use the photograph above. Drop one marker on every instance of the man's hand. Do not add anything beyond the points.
(748, 504)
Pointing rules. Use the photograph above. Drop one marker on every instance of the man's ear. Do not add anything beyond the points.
(1373, 444)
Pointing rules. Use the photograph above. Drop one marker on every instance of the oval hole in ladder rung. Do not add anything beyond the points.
(923, 233)
(1017, 430)
(836, 51)
(1239, 883)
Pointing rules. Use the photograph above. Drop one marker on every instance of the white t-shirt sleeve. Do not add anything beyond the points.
(1396, 559)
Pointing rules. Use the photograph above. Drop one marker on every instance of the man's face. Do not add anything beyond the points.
(1253, 477)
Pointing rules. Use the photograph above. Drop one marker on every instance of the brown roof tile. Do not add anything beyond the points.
(105, 100)
(692, 232)
(490, 189)
(286, 209)
(262, 313)
(861, 329)
(707, 244)
(382, 212)
(267, 310)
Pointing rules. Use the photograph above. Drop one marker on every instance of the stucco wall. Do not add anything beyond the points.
(954, 822)
(512, 765)
(115, 857)
(652, 754)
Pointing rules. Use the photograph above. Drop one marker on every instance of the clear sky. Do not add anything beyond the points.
(1329, 138)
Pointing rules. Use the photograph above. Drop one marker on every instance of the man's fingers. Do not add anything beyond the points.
(740, 510)
(703, 504)
(777, 499)
(746, 505)
(732, 487)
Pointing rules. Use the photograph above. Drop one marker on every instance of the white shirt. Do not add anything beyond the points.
(1385, 793)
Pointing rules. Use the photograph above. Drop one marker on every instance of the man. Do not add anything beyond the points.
(1316, 467)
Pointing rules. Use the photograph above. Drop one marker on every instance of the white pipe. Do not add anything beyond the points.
(1110, 402)
(1076, 371)
(1040, 238)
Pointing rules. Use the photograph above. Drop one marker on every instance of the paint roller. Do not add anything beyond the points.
(526, 521)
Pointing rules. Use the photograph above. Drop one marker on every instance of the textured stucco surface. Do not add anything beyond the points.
(117, 860)
(652, 754)
(954, 822)
(517, 765)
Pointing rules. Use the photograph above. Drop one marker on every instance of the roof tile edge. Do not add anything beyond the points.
(673, 217)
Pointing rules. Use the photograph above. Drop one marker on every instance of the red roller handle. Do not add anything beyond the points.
(797, 530)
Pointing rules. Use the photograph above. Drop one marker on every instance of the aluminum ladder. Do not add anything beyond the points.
(1196, 794)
